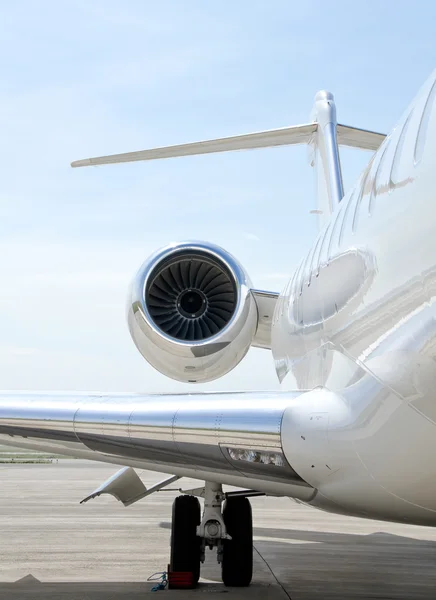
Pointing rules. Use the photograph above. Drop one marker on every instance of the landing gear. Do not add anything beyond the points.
(185, 544)
(237, 563)
(229, 531)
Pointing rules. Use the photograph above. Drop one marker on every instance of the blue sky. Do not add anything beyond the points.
(80, 79)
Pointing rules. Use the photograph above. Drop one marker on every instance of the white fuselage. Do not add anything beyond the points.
(358, 318)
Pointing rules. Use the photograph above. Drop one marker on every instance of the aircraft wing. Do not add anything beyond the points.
(285, 136)
(233, 438)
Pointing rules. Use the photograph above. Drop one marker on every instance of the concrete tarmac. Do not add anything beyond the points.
(53, 548)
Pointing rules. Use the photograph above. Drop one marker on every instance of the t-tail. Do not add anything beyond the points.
(324, 134)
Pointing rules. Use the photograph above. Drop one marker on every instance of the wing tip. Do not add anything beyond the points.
(86, 162)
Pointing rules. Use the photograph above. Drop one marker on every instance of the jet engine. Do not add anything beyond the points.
(191, 313)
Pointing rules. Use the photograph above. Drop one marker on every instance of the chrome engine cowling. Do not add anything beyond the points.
(191, 313)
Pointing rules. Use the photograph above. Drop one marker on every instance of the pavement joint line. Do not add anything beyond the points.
(272, 572)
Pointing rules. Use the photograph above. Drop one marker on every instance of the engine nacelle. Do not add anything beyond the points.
(191, 313)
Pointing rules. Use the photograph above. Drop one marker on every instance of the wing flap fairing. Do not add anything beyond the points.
(127, 487)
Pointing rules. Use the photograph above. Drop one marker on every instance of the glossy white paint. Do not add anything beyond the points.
(354, 343)
(358, 319)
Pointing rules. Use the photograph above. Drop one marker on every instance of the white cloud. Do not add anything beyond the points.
(251, 236)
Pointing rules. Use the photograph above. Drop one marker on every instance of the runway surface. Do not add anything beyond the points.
(53, 548)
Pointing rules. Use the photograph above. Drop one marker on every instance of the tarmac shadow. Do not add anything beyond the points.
(29, 588)
(314, 565)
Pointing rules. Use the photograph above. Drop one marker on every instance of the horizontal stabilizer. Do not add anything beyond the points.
(286, 136)
(300, 134)
(359, 138)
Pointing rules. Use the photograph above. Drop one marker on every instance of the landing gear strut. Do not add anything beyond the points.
(230, 531)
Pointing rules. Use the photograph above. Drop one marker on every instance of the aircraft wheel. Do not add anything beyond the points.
(237, 563)
(185, 544)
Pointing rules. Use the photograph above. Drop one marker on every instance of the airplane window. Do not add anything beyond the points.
(375, 188)
(304, 273)
(295, 282)
(339, 214)
(383, 175)
(322, 246)
(423, 126)
(312, 262)
(344, 220)
(398, 165)
(363, 190)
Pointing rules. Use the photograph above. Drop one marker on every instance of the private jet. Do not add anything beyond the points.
(352, 335)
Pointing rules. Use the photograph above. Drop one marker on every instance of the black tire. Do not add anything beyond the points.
(237, 565)
(185, 544)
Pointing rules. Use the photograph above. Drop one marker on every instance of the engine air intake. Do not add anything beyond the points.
(191, 312)
(191, 297)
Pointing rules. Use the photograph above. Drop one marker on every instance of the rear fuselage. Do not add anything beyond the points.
(358, 318)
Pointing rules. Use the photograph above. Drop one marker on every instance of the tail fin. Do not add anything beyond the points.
(329, 136)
